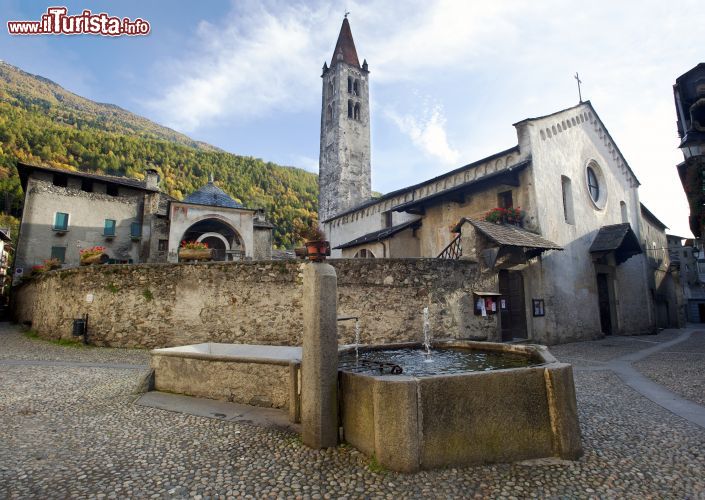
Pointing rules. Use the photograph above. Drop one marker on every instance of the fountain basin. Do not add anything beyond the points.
(257, 375)
(410, 423)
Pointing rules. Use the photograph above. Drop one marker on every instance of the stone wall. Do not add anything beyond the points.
(160, 305)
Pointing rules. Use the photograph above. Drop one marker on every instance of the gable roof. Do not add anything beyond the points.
(652, 218)
(380, 235)
(345, 46)
(25, 169)
(617, 238)
(396, 192)
(211, 195)
(508, 235)
(597, 117)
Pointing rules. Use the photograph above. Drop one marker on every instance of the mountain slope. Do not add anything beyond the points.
(42, 123)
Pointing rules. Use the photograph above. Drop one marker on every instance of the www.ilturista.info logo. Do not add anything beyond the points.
(56, 21)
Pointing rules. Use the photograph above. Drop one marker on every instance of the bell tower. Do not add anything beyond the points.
(344, 177)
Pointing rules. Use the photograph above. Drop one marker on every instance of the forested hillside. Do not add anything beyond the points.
(42, 123)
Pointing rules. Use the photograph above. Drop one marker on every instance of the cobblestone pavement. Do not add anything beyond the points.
(680, 368)
(73, 431)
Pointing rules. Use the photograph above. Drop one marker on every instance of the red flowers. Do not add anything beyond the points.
(194, 245)
(505, 215)
(90, 252)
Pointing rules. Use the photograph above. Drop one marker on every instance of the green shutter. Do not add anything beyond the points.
(109, 229)
(58, 253)
(61, 221)
(136, 230)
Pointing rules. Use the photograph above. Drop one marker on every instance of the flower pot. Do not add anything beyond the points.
(195, 254)
(99, 258)
(317, 250)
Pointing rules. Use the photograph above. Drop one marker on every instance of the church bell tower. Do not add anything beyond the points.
(344, 178)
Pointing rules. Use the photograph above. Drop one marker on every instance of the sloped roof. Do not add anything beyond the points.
(380, 235)
(650, 215)
(509, 235)
(392, 194)
(346, 46)
(211, 195)
(24, 169)
(617, 238)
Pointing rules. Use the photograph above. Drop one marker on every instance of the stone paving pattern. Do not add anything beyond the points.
(75, 432)
(680, 369)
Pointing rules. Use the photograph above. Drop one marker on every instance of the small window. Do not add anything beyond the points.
(135, 230)
(87, 185)
(59, 253)
(625, 214)
(60, 180)
(593, 184)
(350, 109)
(109, 228)
(388, 219)
(567, 188)
(61, 221)
(364, 254)
(163, 245)
(356, 87)
(329, 113)
(356, 113)
(504, 199)
(350, 85)
(111, 190)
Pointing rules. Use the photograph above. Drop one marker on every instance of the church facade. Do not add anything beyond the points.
(66, 212)
(571, 265)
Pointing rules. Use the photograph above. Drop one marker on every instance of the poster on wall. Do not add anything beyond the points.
(538, 307)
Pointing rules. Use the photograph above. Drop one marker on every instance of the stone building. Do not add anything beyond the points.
(691, 269)
(66, 211)
(689, 94)
(344, 162)
(666, 292)
(575, 269)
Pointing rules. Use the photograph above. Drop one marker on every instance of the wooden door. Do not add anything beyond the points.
(603, 298)
(513, 317)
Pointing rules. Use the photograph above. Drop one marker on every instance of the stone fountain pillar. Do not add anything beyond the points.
(319, 363)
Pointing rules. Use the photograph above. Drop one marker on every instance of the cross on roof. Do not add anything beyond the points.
(577, 78)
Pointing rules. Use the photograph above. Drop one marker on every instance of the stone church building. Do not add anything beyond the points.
(66, 211)
(574, 268)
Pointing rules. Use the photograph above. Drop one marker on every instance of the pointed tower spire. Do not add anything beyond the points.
(345, 47)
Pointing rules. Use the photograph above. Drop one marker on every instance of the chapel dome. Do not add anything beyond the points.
(213, 196)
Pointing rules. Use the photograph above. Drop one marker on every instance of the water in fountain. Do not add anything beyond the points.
(426, 332)
(357, 339)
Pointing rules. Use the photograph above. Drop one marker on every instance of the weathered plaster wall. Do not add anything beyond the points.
(435, 233)
(562, 145)
(87, 214)
(185, 215)
(160, 305)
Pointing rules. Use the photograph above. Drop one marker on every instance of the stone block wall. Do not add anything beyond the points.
(162, 305)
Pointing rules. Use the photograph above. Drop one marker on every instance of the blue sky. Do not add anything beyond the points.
(448, 78)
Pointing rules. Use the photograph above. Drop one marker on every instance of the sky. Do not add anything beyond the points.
(447, 77)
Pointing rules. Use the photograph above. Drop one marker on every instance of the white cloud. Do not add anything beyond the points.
(427, 133)
(258, 60)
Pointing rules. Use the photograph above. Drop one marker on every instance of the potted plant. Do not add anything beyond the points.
(195, 250)
(93, 255)
(509, 215)
(317, 247)
(51, 264)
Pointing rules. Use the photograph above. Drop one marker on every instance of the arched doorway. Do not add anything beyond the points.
(221, 237)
